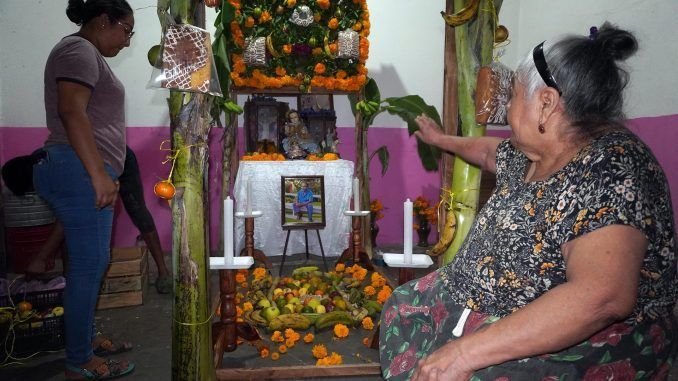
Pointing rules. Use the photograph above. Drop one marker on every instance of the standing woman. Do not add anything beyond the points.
(80, 163)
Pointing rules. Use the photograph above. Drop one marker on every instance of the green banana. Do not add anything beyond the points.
(311, 316)
(306, 269)
(330, 319)
(294, 321)
(231, 106)
(254, 317)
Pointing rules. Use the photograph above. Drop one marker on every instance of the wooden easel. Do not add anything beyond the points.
(287, 239)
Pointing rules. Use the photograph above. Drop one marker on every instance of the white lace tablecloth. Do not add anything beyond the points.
(269, 236)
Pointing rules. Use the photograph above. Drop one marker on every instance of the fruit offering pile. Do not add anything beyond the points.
(23, 314)
(345, 297)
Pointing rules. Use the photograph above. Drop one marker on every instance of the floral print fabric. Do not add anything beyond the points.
(512, 256)
(419, 317)
(513, 253)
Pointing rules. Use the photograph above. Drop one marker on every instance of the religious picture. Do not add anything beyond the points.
(302, 202)
(267, 125)
(298, 142)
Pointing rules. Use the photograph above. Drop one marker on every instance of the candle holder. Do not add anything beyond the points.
(249, 251)
(354, 253)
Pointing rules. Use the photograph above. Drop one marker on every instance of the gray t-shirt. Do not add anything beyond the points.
(76, 60)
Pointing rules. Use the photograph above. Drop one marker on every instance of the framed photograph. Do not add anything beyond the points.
(264, 120)
(302, 202)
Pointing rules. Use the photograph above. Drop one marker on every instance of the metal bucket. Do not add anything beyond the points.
(27, 210)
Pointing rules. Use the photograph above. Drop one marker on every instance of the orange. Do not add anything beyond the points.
(164, 189)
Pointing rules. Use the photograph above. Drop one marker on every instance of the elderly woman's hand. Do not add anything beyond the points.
(446, 363)
(429, 132)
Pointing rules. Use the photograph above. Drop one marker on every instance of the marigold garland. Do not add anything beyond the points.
(306, 55)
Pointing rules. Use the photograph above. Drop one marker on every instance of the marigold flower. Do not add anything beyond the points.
(360, 274)
(383, 295)
(308, 338)
(281, 72)
(319, 68)
(368, 323)
(319, 351)
(287, 48)
(238, 311)
(341, 74)
(357, 26)
(340, 267)
(259, 273)
(239, 278)
(282, 348)
(333, 48)
(340, 330)
(366, 341)
(249, 22)
(323, 4)
(263, 353)
(291, 3)
(277, 337)
(333, 23)
(275, 356)
(291, 334)
(317, 51)
(333, 359)
(290, 343)
(265, 17)
(377, 280)
(369, 290)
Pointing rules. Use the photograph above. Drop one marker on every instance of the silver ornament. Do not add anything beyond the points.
(349, 44)
(302, 16)
(255, 51)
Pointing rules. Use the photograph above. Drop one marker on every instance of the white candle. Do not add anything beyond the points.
(407, 231)
(356, 194)
(228, 230)
(248, 201)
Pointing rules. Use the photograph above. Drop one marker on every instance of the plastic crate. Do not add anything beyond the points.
(35, 335)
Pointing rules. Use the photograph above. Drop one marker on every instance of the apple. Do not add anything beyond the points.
(320, 309)
(294, 300)
(270, 313)
(303, 291)
(263, 303)
(277, 291)
(313, 303)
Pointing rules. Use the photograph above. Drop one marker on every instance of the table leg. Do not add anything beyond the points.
(228, 312)
(249, 250)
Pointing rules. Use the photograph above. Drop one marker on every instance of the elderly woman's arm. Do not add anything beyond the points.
(603, 269)
(480, 151)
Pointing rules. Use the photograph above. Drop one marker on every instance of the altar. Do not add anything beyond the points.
(265, 180)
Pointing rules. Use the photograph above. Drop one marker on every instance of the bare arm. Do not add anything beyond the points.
(480, 151)
(595, 298)
(72, 107)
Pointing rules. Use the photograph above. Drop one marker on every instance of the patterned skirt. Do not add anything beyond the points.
(419, 317)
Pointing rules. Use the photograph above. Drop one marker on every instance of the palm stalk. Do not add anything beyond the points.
(189, 130)
(474, 45)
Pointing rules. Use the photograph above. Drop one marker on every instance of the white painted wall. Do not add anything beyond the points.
(405, 56)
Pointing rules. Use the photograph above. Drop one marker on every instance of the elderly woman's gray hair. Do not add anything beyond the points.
(587, 73)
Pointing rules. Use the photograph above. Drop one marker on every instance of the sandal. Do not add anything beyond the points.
(163, 284)
(105, 347)
(105, 371)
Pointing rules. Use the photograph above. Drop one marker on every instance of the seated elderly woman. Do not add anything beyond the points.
(569, 271)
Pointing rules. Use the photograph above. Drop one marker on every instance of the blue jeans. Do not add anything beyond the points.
(61, 179)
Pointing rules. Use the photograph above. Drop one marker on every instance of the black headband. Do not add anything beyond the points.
(543, 68)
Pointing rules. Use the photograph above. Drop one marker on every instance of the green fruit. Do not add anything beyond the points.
(154, 56)
(264, 303)
(270, 313)
(308, 309)
(313, 42)
(257, 12)
(280, 302)
(286, 310)
(338, 13)
(313, 303)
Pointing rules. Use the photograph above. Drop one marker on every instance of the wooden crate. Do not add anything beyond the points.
(125, 280)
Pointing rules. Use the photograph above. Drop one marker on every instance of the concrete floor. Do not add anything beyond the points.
(149, 327)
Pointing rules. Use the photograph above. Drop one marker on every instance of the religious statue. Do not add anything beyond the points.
(297, 142)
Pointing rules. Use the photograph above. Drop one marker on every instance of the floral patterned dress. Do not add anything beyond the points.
(513, 255)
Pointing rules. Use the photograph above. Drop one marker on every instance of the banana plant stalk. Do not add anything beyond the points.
(474, 45)
(189, 130)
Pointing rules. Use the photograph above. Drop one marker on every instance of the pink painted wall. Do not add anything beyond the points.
(405, 176)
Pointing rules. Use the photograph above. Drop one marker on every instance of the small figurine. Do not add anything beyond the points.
(331, 142)
(297, 138)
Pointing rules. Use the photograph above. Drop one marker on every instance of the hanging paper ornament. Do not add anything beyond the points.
(302, 16)
(255, 51)
(349, 44)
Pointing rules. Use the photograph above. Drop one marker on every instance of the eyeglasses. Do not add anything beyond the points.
(127, 28)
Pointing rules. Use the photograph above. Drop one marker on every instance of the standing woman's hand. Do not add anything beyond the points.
(429, 132)
(105, 189)
(445, 364)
